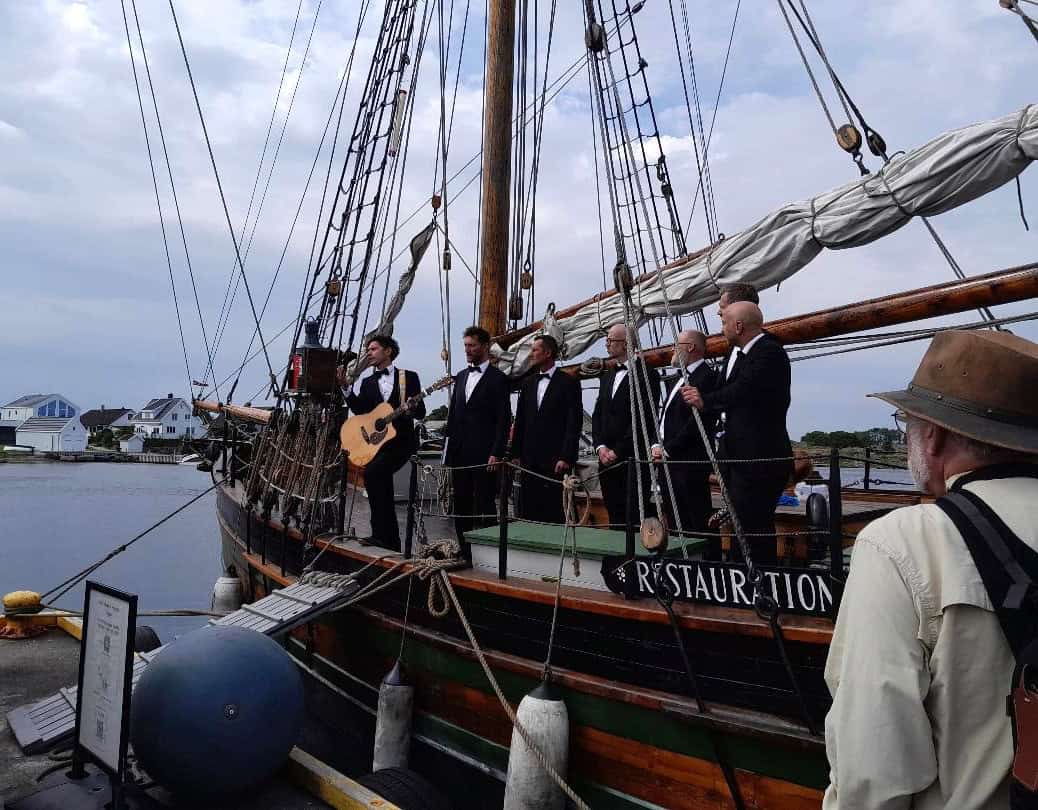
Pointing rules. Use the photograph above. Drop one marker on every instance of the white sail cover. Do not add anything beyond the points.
(947, 172)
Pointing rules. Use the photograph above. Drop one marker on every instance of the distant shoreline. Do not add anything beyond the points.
(897, 459)
(24, 458)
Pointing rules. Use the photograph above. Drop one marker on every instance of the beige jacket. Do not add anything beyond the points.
(919, 668)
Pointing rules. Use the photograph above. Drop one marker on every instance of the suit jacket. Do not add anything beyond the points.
(755, 399)
(478, 429)
(681, 438)
(611, 420)
(370, 396)
(546, 435)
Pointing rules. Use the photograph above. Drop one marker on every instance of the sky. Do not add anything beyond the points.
(86, 305)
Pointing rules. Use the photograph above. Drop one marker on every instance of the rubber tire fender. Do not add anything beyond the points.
(145, 639)
(406, 789)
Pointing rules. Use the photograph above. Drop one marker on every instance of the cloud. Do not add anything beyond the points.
(85, 271)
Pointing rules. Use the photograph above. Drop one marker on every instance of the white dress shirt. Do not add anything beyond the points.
(673, 392)
(473, 379)
(732, 358)
(385, 382)
(919, 667)
(736, 351)
(621, 375)
(542, 383)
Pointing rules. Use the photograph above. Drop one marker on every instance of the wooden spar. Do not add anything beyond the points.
(1000, 287)
(497, 165)
(257, 415)
(507, 339)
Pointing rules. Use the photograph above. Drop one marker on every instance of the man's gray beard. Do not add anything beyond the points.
(917, 461)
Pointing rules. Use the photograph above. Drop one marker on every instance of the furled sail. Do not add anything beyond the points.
(947, 172)
(418, 245)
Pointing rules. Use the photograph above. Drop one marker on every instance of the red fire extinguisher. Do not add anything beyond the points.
(297, 371)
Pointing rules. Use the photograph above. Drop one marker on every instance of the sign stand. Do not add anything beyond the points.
(105, 682)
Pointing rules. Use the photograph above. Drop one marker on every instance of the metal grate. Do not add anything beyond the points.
(42, 725)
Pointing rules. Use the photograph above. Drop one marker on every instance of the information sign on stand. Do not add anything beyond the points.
(105, 682)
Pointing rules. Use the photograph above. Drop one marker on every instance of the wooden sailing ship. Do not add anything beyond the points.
(638, 735)
(737, 723)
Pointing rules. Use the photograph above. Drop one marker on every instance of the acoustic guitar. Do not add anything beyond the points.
(363, 435)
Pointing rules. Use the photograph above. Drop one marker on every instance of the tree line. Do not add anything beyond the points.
(877, 437)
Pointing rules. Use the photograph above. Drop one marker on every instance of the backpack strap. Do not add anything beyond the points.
(1008, 567)
(401, 377)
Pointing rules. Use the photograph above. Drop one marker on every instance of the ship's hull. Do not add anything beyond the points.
(637, 739)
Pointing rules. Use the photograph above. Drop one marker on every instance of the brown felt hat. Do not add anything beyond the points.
(983, 385)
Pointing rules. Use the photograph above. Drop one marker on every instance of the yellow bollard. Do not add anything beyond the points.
(19, 608)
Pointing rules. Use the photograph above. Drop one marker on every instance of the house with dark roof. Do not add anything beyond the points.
(167, 418)
(18, 411)
(106, 419)
(52, 433)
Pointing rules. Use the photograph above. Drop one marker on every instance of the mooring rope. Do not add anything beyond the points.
(427, 566)
(541, 758)
(570, 484)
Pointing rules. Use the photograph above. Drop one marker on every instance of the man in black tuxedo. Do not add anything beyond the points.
(548, 419)
(753, 398)
(733, 293)
(680, 441)
(611, 427)
(477, 431)
(383, 385)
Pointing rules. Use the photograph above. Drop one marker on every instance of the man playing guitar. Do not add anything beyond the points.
(384, 385)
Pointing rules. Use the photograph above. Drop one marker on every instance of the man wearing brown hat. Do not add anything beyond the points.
(919, 666)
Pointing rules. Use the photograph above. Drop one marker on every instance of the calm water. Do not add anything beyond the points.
(889, 478)
(57, 518)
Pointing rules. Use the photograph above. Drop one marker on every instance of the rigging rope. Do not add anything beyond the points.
(908, 337)
(311, 293)
(1029, 22)
(713, 117)
(270, 177)
(875, 141)
(63, 587)
(525, 180)
(219, 186)
(158, 201)
(224, 306)
(173, 188)
(369, 154)
(702, 165)
(308, 293)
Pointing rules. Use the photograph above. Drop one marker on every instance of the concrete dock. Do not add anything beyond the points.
(33, 669)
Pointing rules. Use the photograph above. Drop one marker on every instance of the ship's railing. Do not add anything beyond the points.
(825, 516)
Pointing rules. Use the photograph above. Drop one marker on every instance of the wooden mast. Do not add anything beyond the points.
(497, 165)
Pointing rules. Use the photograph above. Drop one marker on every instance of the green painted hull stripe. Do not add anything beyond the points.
(472, 745)
(806, 768)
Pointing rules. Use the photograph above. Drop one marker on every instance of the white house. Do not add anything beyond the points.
(18, 411)
(132, 444)
(38, 405)
(104, 418)
(53, 433)
(168, 418)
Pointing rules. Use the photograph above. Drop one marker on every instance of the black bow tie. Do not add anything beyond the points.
(475, 370)
(544, 375)
(381, 372)
(621, 367)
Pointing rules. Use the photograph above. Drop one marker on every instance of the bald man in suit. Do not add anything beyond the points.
(753, 398)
